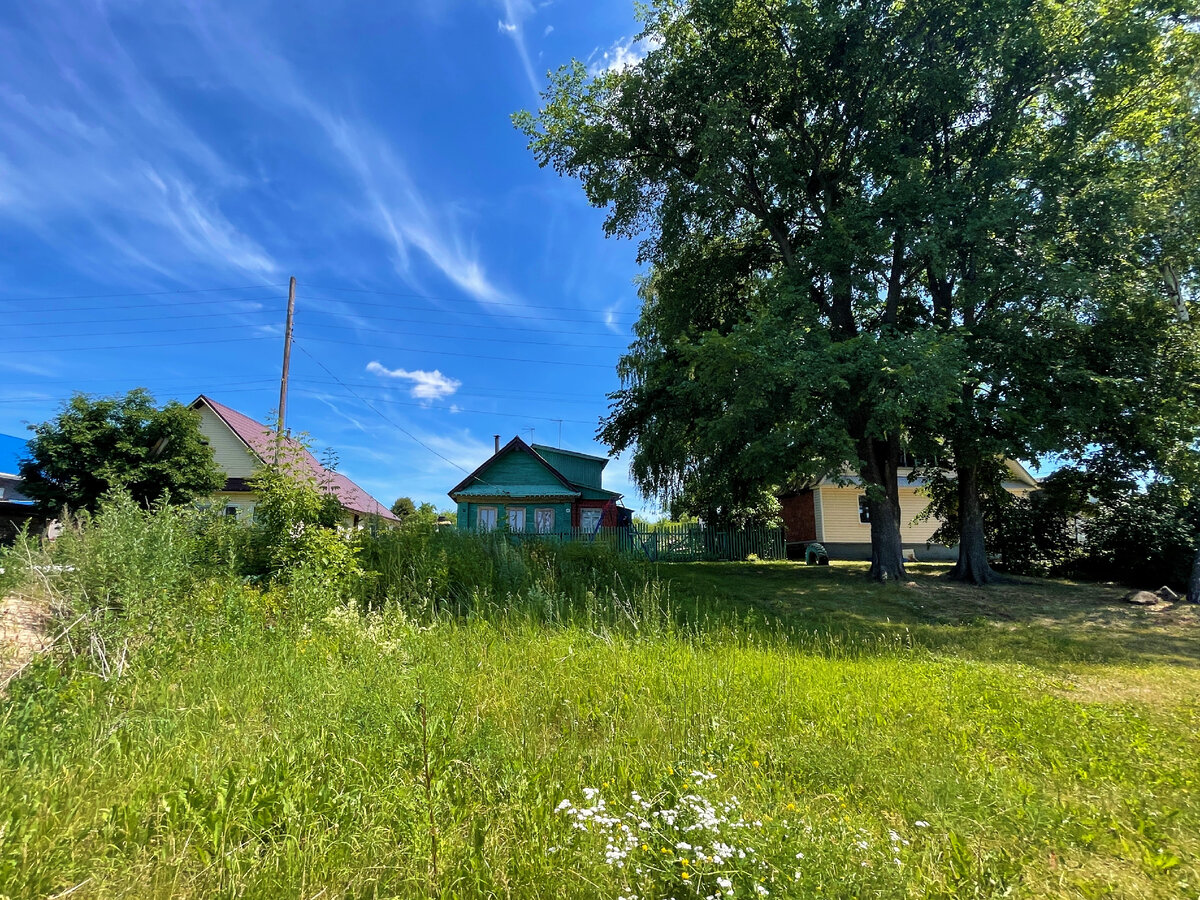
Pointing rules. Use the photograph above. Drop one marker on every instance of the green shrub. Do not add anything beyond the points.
(126, 560)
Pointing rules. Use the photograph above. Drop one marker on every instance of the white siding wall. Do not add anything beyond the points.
(232, 456)
(243, 501)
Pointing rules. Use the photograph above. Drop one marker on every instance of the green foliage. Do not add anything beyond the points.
(290, 500)
(96, 445)
(877, 225)
(403, 508)
(134, 563)
(871, 724)
(1090, 525)
(1143, 537)
(424, 571)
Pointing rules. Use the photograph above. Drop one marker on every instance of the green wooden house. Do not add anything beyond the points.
(537, 490)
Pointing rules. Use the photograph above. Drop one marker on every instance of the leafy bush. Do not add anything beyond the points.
(127, 560)
(1079, 527)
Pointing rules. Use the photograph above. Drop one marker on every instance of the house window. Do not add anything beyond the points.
(864, 511)
(487, 518)
(589, 520)
(231, 511)
(516, 518)
(543, 520)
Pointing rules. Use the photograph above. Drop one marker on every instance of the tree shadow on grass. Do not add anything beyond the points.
(1038, 622)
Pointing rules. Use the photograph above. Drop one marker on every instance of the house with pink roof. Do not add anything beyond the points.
(241, 445)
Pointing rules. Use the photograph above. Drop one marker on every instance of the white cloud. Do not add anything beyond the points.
(624, 52)
(427, 386)
(89, 143)
(398, 210)
(515, 13)
(549, 30)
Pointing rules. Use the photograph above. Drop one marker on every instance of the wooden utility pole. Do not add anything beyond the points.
(287, 354)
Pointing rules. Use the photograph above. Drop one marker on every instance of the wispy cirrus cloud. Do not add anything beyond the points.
(426, 386)
(404, 216)
(512, 25)
(400, 212)
(90, 145)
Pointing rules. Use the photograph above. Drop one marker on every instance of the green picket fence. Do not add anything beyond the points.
(680, 543)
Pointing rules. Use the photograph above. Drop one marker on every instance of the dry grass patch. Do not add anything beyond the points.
(25, 626)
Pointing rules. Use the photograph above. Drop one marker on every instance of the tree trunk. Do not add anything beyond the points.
(881, 462)
(972, 566)
(1193, 593)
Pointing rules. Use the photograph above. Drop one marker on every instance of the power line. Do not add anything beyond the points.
(541, 362)
(244, 287)
(121, 320)
(218, 327)
(455, 409)
(140, 346)
(490, 312)
(224, 314)
(105, 333)
(444, 299)
(156, 305)
(232, 388)
(400, 428)
(500, 395)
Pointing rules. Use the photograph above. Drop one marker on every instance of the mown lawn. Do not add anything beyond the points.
(750, 728)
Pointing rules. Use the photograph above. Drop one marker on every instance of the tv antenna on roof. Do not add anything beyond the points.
(529, 428)
(559, 421)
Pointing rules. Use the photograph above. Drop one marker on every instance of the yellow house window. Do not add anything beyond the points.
(864, 511)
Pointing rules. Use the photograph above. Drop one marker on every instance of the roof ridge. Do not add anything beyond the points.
(260, 438)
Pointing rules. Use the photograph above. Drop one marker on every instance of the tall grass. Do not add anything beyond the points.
(419, 738)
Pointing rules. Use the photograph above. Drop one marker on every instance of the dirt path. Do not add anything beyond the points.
(24, 630)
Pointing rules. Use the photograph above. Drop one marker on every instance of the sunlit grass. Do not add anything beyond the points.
(891, 742)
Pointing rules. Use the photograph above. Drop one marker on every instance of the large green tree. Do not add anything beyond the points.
(751, 140)
(872, 226)
(96, 444)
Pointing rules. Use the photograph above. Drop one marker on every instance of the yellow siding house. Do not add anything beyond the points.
(835, 515)
(241, 445)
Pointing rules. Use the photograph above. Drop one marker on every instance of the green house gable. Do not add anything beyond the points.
(578, 468)
(531, 489)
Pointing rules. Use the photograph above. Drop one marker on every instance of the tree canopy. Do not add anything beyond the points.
(888, 226)
(96, 444)
(403, 508)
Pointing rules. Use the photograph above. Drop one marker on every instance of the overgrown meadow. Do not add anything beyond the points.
(286, 711)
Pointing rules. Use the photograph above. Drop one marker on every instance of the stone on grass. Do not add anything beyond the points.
(1142, 598)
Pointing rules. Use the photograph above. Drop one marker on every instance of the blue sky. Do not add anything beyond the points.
(153, 152)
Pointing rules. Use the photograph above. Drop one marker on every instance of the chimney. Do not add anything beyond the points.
(497, 443)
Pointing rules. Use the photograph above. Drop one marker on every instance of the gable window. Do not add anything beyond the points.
(864, 511)
(231, 511)
(543, 520)
(516, 518)
(486, 520)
